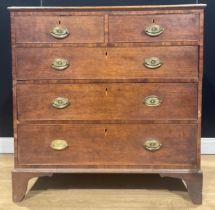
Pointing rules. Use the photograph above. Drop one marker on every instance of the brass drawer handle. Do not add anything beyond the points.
(59, 32)
(60, 64)
(60, 103)
(152, 101)
(152, 145)
(152, 63)
(154, 30)
(59, 144)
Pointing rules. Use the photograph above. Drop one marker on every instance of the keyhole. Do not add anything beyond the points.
(106, 91)
(153, 20)
(105, 131)
(106, 54)
(59, 22)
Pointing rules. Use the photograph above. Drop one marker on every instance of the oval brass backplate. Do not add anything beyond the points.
(59, 32)
(60, 64)
(152, 145)
(59, 144)
(154, 30)
(152, 63)
(152, 101)
(60, 103)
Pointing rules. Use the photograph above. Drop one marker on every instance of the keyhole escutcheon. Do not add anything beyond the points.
(105, 131)
(106, 91)
(106, 54)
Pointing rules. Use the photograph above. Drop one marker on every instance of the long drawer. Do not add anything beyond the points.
(154, 28)
(127, 145)
(107, 101)
(59, 29)
(107, 63)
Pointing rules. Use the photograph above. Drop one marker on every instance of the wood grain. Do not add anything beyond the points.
(83, 29)
(176, 27)
(107, 101)
(108, 146)
(107, 63)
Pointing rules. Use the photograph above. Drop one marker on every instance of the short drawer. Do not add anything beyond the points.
(107, 101)
(107, 63)
(152, 28)
(59, 29)
(108, 145)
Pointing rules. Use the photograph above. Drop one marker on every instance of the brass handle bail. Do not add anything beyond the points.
(152, 145)
(59, 32)
(152, 101)
(60, 103)
(152, 63)
(60, 64)
(154, 30)
(59, 144)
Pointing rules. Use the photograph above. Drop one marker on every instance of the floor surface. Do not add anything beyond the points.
(106, 192)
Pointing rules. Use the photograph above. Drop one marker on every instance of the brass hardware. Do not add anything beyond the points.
(59, 144)
(60, 103)
(59, 32)
(60, 64)
(152, 101)
(154, 30)
(152, 145)
(152, 63)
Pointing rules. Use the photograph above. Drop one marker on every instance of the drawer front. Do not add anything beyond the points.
(107, 63)
(108, 145)
(59, 29)
(114, 101)
(169, 27)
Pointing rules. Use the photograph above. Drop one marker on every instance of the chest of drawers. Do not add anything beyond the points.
(107, 90)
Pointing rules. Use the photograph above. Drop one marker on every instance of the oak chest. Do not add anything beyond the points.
(107, 90)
